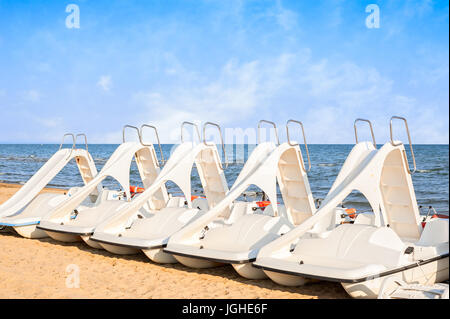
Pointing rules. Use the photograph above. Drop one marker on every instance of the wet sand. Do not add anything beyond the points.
(45, 268)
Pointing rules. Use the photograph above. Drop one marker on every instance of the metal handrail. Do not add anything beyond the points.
(371, 130)
(221, 139)
(274, 126)
(304, 139)
(85, 140)
(196, 128)
(409, 140)
(430, 210)
(133, 127)
(159, 143)
(62, 142)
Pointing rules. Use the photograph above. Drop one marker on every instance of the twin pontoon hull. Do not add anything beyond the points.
(30, 231)
(244, 267)
(91, 243)
(248, 271)
(119, 250)
(286, 279)
(64, 237)
(157, 255)
(197, 262)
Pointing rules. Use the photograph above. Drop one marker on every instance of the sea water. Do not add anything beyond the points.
(18, 162)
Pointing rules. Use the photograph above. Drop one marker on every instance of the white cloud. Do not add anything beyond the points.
(44, 67)
(417, 8)
(53, 122)
(285, 18)
(105, 82)
(40, 128)
(325, 95)
(32, 95)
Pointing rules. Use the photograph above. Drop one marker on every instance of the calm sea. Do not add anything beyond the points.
(18, 162)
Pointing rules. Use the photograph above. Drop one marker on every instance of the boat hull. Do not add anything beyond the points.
(64, 237)
(91, 243)
(286, 279)
(119, 250)
(248, 271)
(30, 231)
(157, 255)
(197, 262)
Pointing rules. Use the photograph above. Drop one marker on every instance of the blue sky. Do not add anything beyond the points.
(233, 62)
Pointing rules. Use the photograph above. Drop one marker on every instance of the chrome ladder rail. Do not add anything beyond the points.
(294, 144)
(163, 161)
(85, 143)
(221, 139)
(196, 128)
(371, 130)
(133, 127)
(85, 139)
(409, 140)
(274, 126)
(73, 143)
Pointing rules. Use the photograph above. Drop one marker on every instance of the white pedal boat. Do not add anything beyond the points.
(25, 209)
(361, 255)
(134, 228)
(235, 236)
(72, 221)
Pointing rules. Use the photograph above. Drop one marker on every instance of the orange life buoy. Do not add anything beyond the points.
(195, 197)
(440, 216)
(263, 203)
(351, 212)
(135, 189)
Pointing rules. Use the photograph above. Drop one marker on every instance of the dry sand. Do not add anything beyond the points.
(31, 268)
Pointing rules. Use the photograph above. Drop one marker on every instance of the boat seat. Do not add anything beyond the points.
(163, 224)
(249, 232)
(352, 245)
(176, 201)
(41, 204)
(238, 210)
(435, 232)
(91, 217)
(366, 218)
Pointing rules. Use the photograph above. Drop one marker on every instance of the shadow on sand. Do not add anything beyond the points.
(321, 289)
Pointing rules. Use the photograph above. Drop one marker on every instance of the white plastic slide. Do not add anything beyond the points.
(236, 236)
(23, 211)
(135, 228)
(361, 255)
(76, 219)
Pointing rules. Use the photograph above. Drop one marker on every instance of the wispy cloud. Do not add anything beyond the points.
(52, 122)
(105, 82)
(32, 95)
(321, 93)
(285, 17)
(233, 62)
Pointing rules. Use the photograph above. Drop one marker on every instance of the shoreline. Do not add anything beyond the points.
(39, 268)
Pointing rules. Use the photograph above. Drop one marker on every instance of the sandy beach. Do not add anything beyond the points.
(40, 268)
